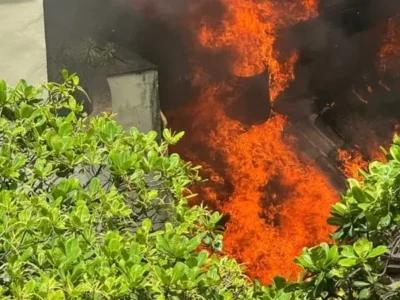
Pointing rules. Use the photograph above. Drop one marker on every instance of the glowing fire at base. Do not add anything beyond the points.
(279, 202)
(351, 162)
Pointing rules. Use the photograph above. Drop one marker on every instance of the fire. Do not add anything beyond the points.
(277, 200)
(248, 29)
(390, 51)
(351, 162)
(355, 159)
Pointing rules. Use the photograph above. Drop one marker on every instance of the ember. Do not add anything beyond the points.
(390, 50)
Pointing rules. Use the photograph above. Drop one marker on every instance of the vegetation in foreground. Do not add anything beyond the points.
(88, 211)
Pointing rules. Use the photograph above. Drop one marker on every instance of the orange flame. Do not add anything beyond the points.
(351, 162)
(279, 201)
(248, 29)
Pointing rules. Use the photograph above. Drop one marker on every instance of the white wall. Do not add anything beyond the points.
(135, 100)
(22, 41)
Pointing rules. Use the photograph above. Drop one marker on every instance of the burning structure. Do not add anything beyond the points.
(279, 99)
(275, 96)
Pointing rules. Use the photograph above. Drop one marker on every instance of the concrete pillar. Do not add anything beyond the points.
(135, 100)
(23, 45)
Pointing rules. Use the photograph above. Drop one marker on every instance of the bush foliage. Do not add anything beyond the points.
(82, 204)
(89, 211)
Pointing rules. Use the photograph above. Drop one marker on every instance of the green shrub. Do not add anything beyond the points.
(371, 208)
(89, 211)
(83, 207)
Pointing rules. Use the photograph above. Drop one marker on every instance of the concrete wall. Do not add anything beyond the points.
(135, 100)
(23, 46)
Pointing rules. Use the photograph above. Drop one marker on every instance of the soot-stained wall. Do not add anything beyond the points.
(135, 99)
(125, 84)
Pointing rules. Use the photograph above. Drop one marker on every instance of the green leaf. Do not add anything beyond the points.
(27, 254)
(193, 243)
(3, 91)
(5, 197)
(378, 251)
(385, 221)
(305, 261)
(41, 258)
(94, 186)
(335, 221)
(338, 234)
(30, 286)
(353, 183)
(365, 294)
(114, 245)
(151, 135)
(64, 74)
(72, 103)
(178, 271)
(348, 251)
(163, 245)
(167, 134)
(82, 213)
(320, 278)
(134, 249)
(358, 194)
(112, 130)
(152, 195)
(65, 129)
(361, 284)
(26, 111)
(201, 258)
(215, 218)
(72, 250)
(176, 138)
(57, 295)
(362, 247)
(319, 285)
(146, 225)
(395, 152)
(75, 80)
(136, 274)
(333, 255)
(340, 208)
(340, 273)
(78, 270)
(348, 262)
(56, 143)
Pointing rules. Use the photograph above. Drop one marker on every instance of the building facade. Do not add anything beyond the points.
(23, 44)
(42, 37)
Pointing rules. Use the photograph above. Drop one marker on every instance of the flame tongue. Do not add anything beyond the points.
(278, 202)
(248, 29)
(267, 232)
